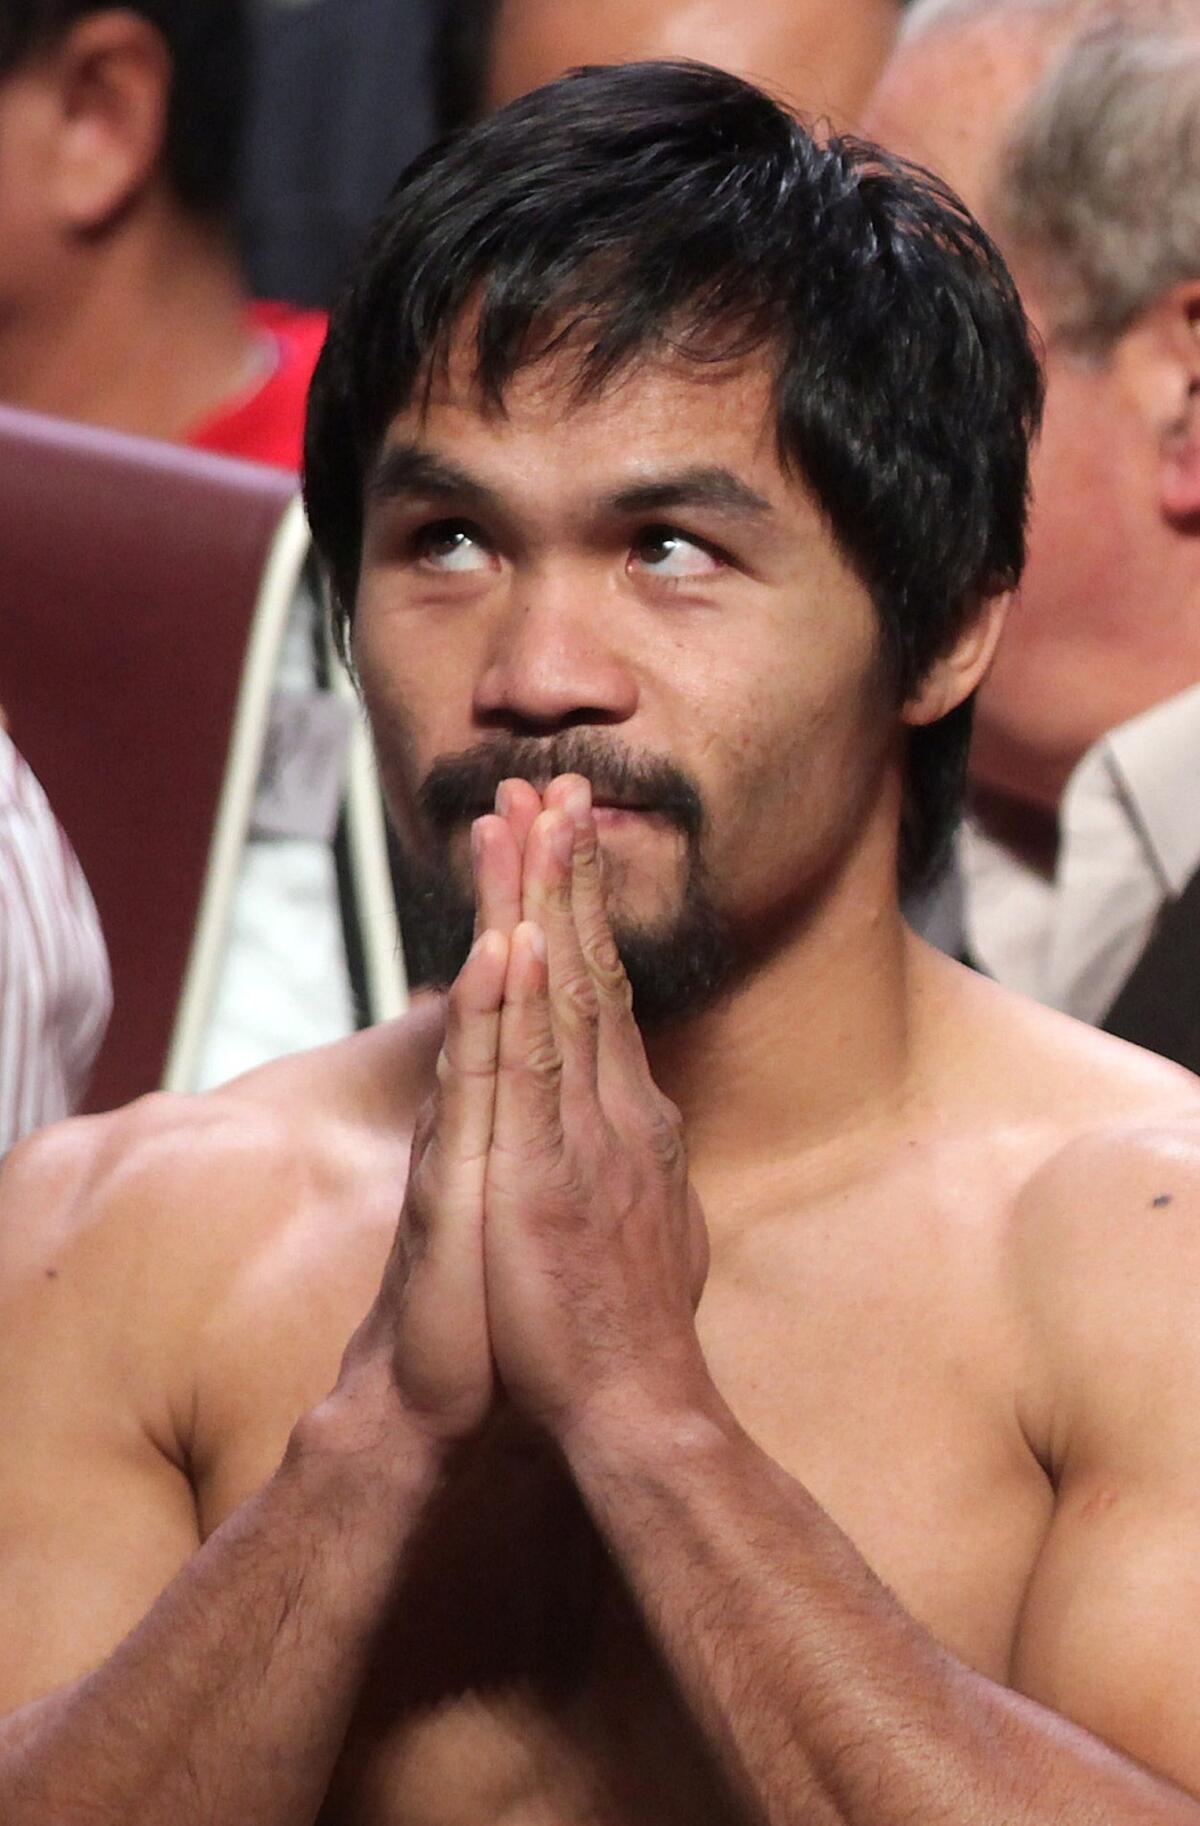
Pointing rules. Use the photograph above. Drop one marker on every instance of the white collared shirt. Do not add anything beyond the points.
(55, 990)
(1129, 840)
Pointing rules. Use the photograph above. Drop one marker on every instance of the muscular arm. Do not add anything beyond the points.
(228, 1703)
(827, 1703)
(230, 1700)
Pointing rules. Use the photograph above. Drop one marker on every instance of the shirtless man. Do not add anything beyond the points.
(900, 1523)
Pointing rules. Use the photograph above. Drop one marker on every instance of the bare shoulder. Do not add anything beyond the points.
(129, 1233)
(1022, 1062)
(1116, 1210)
(1105, 1249)
(1087, 1153)
(193, 1168)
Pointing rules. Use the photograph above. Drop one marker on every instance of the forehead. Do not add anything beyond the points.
(659, 412)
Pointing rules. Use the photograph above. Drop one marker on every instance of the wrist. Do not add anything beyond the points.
(645, 1434)
(363, 1440)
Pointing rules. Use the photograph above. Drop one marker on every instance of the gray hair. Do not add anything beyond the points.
(923, 17)
(1100, 180)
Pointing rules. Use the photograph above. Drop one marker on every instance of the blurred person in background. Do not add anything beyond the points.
(123, 304)
(1080, 148)
(822, 57)
(122, 301)
(339, 105)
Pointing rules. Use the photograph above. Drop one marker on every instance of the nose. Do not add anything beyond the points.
(554, 660)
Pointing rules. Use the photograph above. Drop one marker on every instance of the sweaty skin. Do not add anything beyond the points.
(494, 1418)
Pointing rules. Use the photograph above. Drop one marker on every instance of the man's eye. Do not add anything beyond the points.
(449, 545)
(666, 553)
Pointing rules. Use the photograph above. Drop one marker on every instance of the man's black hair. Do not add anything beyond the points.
(624, 212)
(463, 35)
(208, 42)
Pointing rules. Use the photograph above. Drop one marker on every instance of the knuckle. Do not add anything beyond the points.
(666, 1132)
(538, 1061)
(669, 1113)
(565, 1190)
(577, 999)
(604, 960)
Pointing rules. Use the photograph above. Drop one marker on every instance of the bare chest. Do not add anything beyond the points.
(514, 1682)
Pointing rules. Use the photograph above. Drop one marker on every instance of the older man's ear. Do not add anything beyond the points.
(1176, 341)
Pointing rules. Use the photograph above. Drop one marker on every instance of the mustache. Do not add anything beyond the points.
(463, 786)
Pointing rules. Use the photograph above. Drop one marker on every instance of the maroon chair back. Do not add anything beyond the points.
(129, 574)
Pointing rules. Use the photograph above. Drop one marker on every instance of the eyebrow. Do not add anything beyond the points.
(408, 471)
(713, 487)
(405, 470)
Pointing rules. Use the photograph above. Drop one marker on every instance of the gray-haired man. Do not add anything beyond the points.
(1081, 151)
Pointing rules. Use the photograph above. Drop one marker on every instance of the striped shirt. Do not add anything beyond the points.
(55, 989)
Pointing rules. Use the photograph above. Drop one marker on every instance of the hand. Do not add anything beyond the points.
(428, 1325)
(594, 1244)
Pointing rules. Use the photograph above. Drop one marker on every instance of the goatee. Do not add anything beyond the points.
(676, 966)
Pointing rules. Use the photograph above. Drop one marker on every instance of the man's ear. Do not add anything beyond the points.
(1170, 352)
(960, 670)
(112, 76)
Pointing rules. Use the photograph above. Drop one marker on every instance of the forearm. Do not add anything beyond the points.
(230, 1701)
(826, 1703)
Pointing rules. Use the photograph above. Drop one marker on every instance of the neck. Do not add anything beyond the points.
(814, 1054)
(147, 332)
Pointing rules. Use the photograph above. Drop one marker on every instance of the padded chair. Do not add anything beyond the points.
(144, 590)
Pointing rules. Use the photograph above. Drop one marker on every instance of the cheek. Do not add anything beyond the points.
(417, 679)
(797, 763)
(408, 721)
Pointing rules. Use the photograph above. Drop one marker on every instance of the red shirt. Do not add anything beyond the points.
(266, 423)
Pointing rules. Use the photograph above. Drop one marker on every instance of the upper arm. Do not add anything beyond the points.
(96, 1515)
(1110, 1632)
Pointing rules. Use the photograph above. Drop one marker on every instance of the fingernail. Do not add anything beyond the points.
(578, 804)
(562, 840)
(537, 942)
(502, 797)
(476, 839)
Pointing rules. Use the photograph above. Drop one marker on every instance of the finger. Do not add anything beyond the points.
(518, 803)
(528, 1111)
(466, 1066)
(496, 861)
(546, 900)
(620, 1037)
